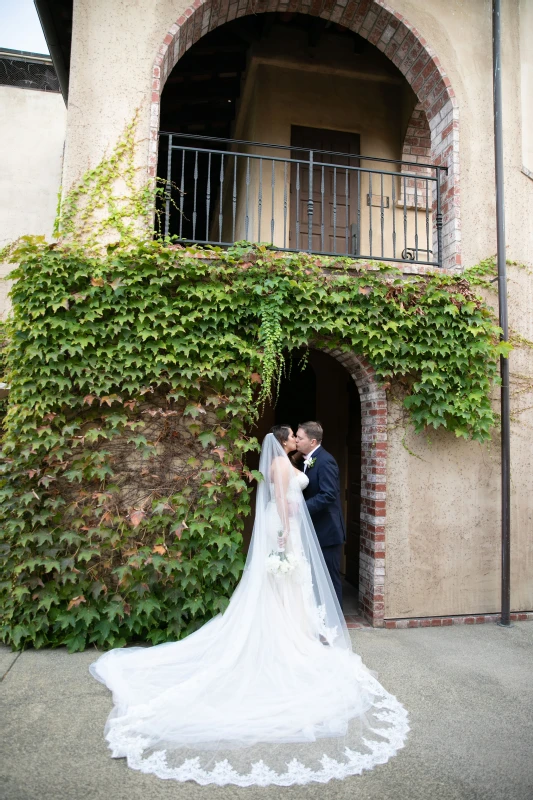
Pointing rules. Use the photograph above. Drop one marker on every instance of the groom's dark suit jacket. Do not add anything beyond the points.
(323, 499)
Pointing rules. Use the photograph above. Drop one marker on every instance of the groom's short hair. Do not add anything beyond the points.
(313, 430)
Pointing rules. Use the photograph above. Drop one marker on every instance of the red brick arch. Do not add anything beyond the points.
(383, 27)
(416, 149)
(417, 140)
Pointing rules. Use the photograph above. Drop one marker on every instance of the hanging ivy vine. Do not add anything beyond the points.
(136, 373)
(3, 384)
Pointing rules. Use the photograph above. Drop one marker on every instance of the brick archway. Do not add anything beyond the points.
(373, 484)
(417, 140)
(383, 27)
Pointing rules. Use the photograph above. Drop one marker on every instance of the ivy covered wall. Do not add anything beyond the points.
(135, 377)
(137, 368)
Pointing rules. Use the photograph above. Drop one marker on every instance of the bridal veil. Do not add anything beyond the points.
(269, 692)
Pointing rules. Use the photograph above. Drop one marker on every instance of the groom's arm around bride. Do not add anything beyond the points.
(323, 498)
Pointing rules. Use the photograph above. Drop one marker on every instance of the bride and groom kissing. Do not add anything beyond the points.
(322, 493)
(253, 697)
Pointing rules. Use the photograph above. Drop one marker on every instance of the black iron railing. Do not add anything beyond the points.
(218, 191)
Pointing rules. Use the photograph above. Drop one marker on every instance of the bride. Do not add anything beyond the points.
(269, 692)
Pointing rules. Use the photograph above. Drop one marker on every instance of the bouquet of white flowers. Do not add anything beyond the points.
(279, 563)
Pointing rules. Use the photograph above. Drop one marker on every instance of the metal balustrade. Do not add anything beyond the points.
(219, 191)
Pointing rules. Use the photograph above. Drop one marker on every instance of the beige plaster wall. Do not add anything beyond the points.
(521, 370)
(32, 135)
(461, 35)
(442, 526)
(526, 83)
(114, 45)
(443, 505)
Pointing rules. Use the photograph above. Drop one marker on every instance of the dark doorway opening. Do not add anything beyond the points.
(319, 388)
(297, 395)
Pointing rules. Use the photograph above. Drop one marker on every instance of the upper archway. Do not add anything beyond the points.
(383, 27)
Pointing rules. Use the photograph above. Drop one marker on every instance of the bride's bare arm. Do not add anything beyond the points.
(280, 476)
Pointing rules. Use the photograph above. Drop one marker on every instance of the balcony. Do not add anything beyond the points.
(219, 191)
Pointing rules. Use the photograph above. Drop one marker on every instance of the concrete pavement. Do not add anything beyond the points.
(468, 690)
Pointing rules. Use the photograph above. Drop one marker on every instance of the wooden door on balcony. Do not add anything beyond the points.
(335, 195)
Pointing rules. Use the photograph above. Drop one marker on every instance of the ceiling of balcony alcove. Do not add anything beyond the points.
(202, 92)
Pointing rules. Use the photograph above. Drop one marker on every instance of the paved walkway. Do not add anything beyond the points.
(468, 690)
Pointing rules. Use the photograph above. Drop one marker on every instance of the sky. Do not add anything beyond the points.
(20, 28)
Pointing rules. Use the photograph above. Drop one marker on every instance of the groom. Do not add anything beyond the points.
(323, 498)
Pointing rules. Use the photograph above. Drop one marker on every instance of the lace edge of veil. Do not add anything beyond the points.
(392, 738)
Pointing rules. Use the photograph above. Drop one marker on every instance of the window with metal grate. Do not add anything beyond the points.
(27, 71)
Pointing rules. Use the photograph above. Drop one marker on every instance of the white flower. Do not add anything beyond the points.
(273, 563)
(280, 564)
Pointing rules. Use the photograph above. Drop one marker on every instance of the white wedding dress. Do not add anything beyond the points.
(269, 692)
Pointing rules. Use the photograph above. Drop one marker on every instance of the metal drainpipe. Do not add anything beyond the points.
(50, 34)
(505, 618)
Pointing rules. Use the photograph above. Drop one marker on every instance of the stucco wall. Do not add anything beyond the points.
(365, 96)
(461, 34)
(443, 504)
(32, 135)
(442, 525)
(114, 45)
(526, 84)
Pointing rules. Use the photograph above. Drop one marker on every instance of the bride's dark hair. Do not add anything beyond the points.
(281, 432)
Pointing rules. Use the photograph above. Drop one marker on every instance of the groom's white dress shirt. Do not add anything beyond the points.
(309, 456)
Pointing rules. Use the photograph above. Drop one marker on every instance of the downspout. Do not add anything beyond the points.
(50, 34)
(505, 618)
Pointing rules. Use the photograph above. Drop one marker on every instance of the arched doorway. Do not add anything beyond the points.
(320, 388)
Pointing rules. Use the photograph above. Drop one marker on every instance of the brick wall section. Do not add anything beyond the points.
(354, 622)
(373, 485)
(417, 149)
(389, 31)
(440, 622)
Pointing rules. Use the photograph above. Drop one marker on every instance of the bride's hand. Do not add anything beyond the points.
(282, 540)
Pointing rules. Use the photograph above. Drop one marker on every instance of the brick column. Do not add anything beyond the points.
(373, 485)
